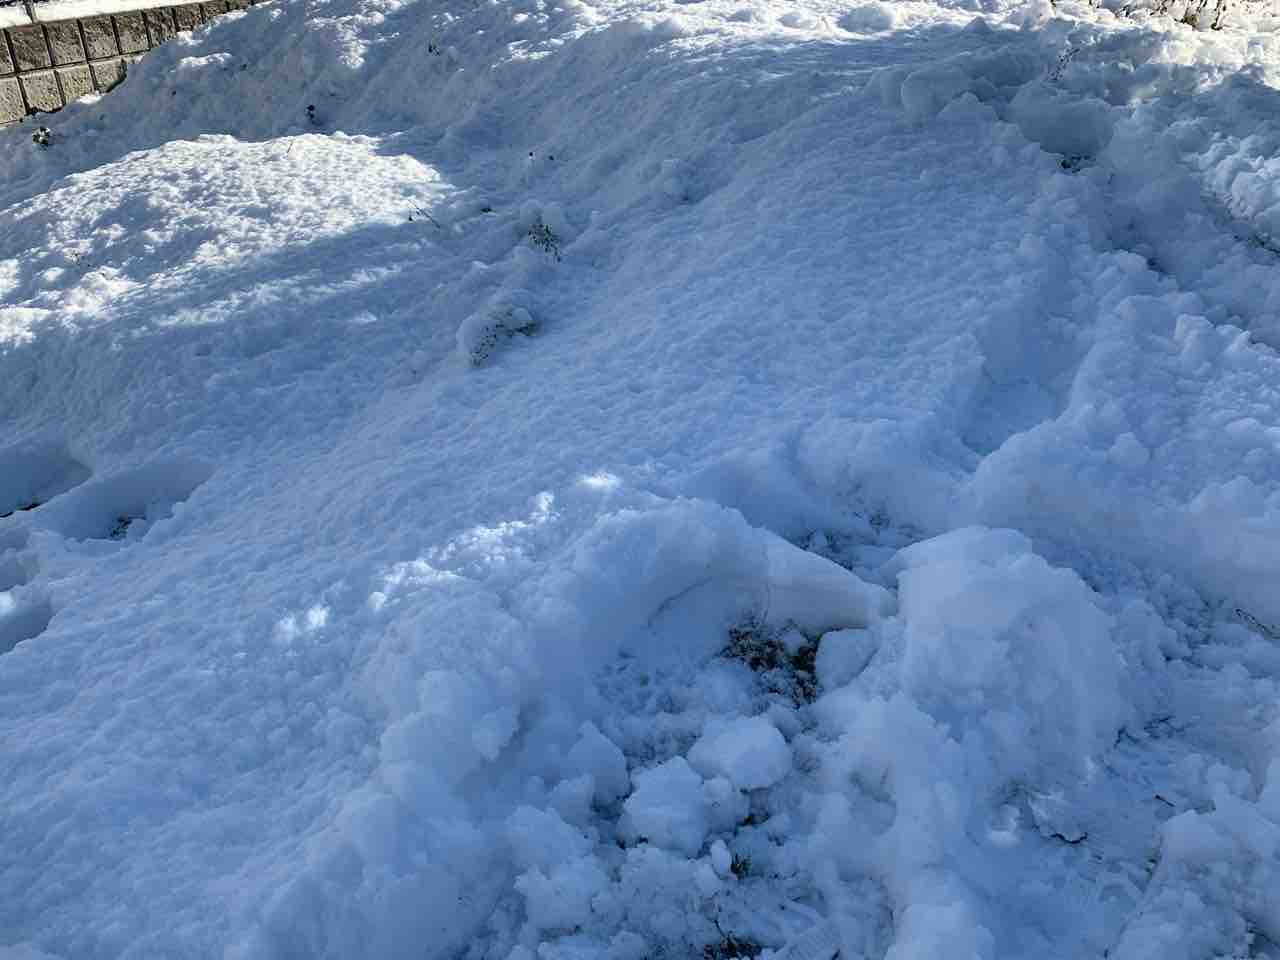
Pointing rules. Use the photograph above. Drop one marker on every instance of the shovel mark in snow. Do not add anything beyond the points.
(13, 572)
(125, 505)
(33, 473)
(21, 621)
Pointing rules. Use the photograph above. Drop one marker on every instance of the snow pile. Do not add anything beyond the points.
(609, 480)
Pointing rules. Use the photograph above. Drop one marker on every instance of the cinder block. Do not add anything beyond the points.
(160, 24)
(11, 105)
(29, 47)
(107, 74)
(76, 82)
(187, 16)
(132, 32)
(6, 61)
(64, 42)
(42, 91)
(99, 38)
(213, 9)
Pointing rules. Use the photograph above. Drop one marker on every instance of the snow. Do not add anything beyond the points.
(50, 11)
(996, 636)
(620, 478)
(599, 757)
(748, 751)
(842, 655)
(668, 807)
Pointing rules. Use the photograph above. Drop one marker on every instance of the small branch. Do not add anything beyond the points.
(424, 213)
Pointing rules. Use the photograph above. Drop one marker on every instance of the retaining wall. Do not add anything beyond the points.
(46, 65)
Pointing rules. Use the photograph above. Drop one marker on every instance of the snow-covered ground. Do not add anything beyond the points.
(633, 479)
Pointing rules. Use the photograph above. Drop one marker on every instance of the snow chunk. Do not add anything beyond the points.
(572, 799)
(668, 807)
(561, 899)
(997, 640)
(842, 655)
(721, 859)
(749, 751)
(927, 90)
(481, 333)
(1128, 452)
(1060, 123)
(868, 18)
(540, 839)
(726, 804)
(597, 755)
(815, 594)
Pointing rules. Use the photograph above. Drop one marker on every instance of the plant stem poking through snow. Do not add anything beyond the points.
(426, 216)
(480, 334)
(545, 239)
(784, 658)
(731, 948)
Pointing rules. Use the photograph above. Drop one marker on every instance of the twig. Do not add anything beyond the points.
(427, 215)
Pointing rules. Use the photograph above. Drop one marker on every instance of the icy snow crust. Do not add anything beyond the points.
(383, 483)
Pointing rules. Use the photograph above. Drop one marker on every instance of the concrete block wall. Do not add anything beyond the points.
(45, 66)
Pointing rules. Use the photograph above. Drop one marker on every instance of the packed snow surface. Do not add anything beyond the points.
(636, 479)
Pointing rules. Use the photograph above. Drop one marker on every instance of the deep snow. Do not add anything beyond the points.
(640, 479)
